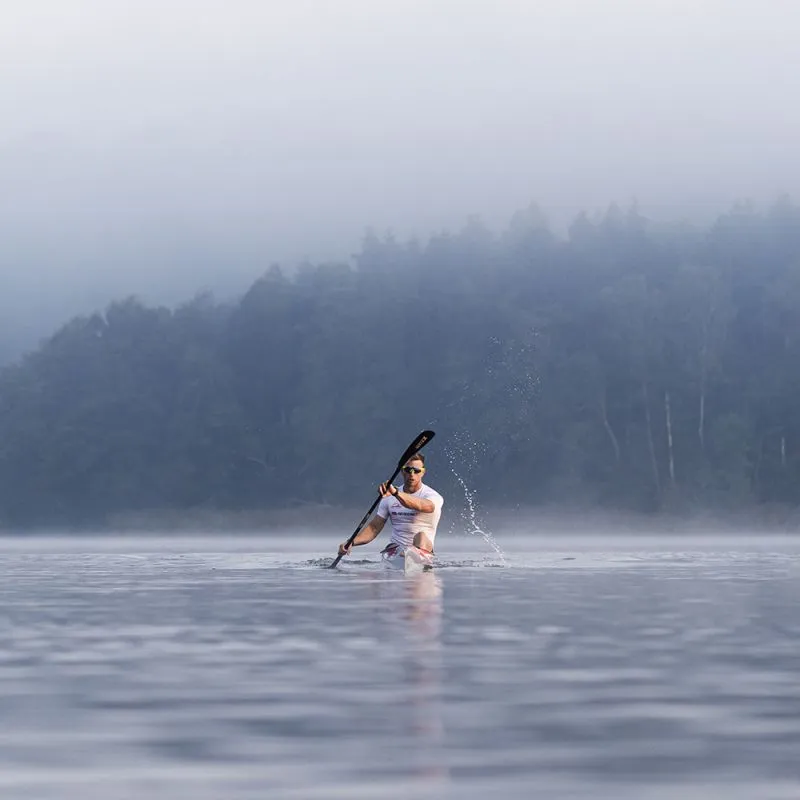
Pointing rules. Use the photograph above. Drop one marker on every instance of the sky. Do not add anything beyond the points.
(161, 148)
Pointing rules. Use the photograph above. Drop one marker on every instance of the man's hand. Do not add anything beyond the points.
(386, 490)
(344, 548)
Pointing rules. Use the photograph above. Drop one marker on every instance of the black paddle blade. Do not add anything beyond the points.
(416, 446)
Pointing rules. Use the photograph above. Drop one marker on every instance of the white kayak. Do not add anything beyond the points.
(412, 559)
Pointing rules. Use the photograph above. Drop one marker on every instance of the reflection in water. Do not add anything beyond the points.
(424, 614)
(411, 609)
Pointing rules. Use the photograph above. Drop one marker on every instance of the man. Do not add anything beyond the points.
(414, 511)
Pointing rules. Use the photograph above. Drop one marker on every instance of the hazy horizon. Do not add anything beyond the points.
(156, 150)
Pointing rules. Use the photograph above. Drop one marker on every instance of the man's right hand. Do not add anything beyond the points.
(344, 548)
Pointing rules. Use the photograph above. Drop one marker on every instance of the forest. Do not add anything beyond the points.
(621, 365)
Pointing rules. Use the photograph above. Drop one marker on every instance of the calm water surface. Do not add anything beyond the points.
(645, 668)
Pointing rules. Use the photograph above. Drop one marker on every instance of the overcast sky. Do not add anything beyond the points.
(163, 147)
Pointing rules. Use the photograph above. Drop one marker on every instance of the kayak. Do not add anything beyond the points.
(412, 559)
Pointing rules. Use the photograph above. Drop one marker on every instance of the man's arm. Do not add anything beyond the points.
(407, 500)
(366, 534)
(415, 503)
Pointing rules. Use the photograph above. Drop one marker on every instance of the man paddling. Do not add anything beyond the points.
(414, 511)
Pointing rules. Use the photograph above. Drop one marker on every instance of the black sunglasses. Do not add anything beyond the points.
(414, 470)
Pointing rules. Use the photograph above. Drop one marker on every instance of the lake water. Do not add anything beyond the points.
(568, 667)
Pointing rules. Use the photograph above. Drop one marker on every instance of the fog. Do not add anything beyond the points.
(163, 149)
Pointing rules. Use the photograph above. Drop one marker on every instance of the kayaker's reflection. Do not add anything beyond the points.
(414, 597)
(413, 609)
(424, 675)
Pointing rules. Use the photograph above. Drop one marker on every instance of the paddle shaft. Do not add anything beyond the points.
(363, 521)
(411, 450)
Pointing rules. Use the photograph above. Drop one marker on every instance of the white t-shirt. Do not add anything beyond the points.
(406, 522)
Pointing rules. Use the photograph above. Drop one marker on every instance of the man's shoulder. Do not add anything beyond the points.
(430, 493)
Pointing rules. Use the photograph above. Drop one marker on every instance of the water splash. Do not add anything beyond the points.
(513, 364)
(473, 523)
(509, 364)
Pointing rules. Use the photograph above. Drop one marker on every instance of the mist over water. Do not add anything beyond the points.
(305, 164)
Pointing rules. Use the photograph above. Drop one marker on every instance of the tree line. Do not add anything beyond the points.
(626, 364)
